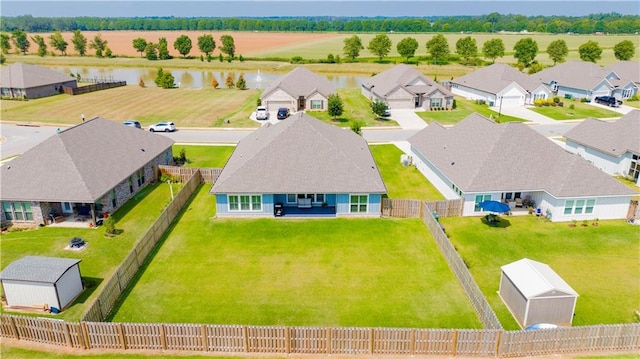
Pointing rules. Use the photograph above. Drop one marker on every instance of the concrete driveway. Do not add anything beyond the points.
(407, 119)
(623, 109)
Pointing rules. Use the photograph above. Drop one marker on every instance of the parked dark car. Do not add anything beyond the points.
(132, 123)
(283, 113)
(608, 100)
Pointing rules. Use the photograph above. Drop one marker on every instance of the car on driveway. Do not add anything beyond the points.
(283, 113)
(132, 123)
(163, 127)
(608, 101)
(262, 113)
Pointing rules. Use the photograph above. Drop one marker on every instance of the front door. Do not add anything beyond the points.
(418, 101)
(301, 103)
(66, 207)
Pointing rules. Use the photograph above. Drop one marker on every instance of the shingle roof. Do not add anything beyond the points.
(627, 70)
(575, 74)
(613, 138)
(301, 82)
(80, 164)
(300, 155)
(479, 155)
(38, 269)
(535, 279)
(403, 76)
(25, 76)
(497, 77)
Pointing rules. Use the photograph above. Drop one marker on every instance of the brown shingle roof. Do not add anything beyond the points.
(80, 164)
(25, 76)
(479, 155)
(613, 138)
(301, 82)
(497, 77)
(403, 76)
(300, 155)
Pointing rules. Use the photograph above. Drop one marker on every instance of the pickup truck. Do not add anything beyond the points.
(608, 100)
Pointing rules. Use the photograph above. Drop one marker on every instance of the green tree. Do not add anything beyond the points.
(57, 42)
(151, 51)
(140, 44)
(557, 51)
(20, 41)
(163, 49)
(624, 50)
(164, 79)
(492, 49)
(467, 48)
(206, 44)
(380, 46)
(228, 45)
(79, 42)
(42, 45)
(99, 44)
(438, 47)
(590, 51)
(407, 47)
(379, 107)
(5, 42)
(335, 106)
(183, 45)
(241, 84)
(525, 50)
(352, 47)
(108, 53)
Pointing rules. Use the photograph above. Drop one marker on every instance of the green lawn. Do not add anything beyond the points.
(463, 109)
(324, 272)
(356, 108)
(102, 255)
(601, 263)
(402, 182)
(580, 111)
(205, 156)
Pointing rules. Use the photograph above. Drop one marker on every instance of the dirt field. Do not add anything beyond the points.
(247, 43)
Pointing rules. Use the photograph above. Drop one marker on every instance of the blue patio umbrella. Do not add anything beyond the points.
(494, 206)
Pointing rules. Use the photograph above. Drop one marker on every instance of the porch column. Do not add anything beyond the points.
(93, 212)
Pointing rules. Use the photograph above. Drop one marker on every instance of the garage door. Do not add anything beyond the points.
(511, 101)
(275, 105)
(400, 104)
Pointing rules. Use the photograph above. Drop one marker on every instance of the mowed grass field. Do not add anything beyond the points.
(601, 262)
(322, 272)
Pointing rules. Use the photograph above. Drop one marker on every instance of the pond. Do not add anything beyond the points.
(194, 79)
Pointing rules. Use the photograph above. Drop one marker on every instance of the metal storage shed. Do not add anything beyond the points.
(534, 293)
(36, 281)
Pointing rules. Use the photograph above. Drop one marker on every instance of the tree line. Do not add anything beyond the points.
(613, 23)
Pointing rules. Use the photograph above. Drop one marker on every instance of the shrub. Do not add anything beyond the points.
(297, 60)
(584, 99)
(215, 83)
(201, 58)
(556, 99)
(454, 105)
(110, 227)
(241, 84)
(633, 98)
(240, 58)
(356, 127)
(572, 107)
(141, 82)
(258, 102)
(561, 104)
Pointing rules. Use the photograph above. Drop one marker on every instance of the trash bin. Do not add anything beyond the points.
(435, 215)
(278, 209)
(55, 310)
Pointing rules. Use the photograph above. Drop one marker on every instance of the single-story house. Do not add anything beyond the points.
(583, 79)
(613, 147)
(478, 159)
(500, 85)
(404, 87)
(298, 90)
(32, 81)
(91, 168)
(301, 166)
(535, 293)
(626, 70)
(41, 281)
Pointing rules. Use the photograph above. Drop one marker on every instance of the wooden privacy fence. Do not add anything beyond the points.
(448, 208)
(320, 340)
(92, 88)
(403, 208)
(458, 267)
(209, 175)
(118, 282)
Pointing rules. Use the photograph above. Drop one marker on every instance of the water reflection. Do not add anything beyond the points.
(194, 79)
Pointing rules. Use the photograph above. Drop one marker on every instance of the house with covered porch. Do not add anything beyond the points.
(80, 173)
(299, 90)
(300, 167)
(478, 160)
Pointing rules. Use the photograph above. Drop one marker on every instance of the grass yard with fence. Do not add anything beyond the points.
(336, 272)
(599, 262)
(202, 156)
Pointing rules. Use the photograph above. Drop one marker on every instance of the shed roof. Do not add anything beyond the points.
(534, 279)
(613, 138)
(80, 164)
(301, 155)
(301, 82)
(23, 76)
(38, 269)
(497, 77)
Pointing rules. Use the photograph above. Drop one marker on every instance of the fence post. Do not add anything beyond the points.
(412, 343)
(328, 340)
(85, 334)
(203, 331)
(121, 334)
(287, 338)
(454, 344)
(163, 337)
(67, 335)
(498, 339)
(14, 327)
(371, 345)
(245, 332)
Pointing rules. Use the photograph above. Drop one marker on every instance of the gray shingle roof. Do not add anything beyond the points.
(613, 138)
(301, 82)
(627, 70)
(403, 76)
(300, 155)
(497, 77)
(25, 76)
(479, 155)
(80, 164)
(38, 269)
(575, 74)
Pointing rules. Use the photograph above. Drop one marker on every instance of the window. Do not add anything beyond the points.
(315, 197)
(245, 202)
(291, 198)
(19, 211)
(568, 206)
(8, 212)
(113, 198)
(317, 104)
(319, 198)
(590, 204)
(435, 102)
(634, 168)
(130, 185)
(358, 204)
(140, 177)
(579, 206)
(481, 198)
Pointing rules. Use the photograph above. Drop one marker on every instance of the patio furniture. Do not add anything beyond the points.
(519, 202)
(83, 212)
(304, 202)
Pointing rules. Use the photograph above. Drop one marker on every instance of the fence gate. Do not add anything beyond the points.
(634, 210)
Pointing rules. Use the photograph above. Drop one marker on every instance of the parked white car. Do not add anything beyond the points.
(163, 127)
(262, 113)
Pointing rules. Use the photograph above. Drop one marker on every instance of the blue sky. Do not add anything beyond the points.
(257, 8)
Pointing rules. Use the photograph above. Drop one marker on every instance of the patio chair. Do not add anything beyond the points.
(519, 202)
(83, 212)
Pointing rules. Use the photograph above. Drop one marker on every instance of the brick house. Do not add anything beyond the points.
(31, 81)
